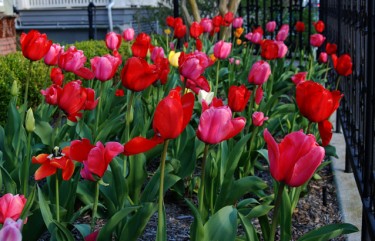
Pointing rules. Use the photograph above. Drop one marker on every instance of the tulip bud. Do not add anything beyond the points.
(30, 121)
(14, 89)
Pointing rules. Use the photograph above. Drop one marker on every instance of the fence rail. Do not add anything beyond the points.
(350, 23)
(43, 4)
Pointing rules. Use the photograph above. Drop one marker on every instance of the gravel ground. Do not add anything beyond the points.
(317, 208)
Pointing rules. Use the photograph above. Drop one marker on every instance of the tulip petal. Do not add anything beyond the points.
(40, 159)
(234, 127)
(139, 145)
(79, 149)
(44, 170)
(68, 171)
(187, 102)
(325, 131)
(85, 73)
(95, 160)
(273, 156)
(112, 149)
(306, 166)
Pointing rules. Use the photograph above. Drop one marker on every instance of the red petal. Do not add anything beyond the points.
(85, 73)
(79, 150)
(39, 159)
(44, 171)
(139, 145)
(67, 173)
(325, 131)
(187, 102)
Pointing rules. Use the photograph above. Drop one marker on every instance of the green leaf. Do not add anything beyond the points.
(44, 130)
(29, 204)
(137, 176)
(45, 210)
(331, 151)
(8, 182)
(162, 227)
(222, 226)
(329, 232)
(197, 230)
(62, 232)
(84, 229)
(285, 218)
(111, 224)
(250, 231)
(259, 211)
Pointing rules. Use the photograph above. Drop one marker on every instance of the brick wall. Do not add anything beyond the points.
(7, 35)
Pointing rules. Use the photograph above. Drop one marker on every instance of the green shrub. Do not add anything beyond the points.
(16, 67)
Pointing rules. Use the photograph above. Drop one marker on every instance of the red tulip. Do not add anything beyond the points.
(137, 74)
(300, 27)
(52, 94)
(172, 115)
(170, 21)
(259, 95)
(11, 206)
(216, 125)
(295, 159)
(34, 45)
(259, 73)
(269, 49)
(192, 65)
(180, 31)
(325, 131)
(119, 93)
(299, 77)
(207, 25)
(270, 26)
(315, 102)
(141, 45)
(319, 26)
(96, 158)
(258, 118)
(113, 40)
(162, 67)
(51, 162)
(217, 20)
(334, 60)
(316, 40)
(73, 60)
(105, 67)
(198, 44)
(52, 56)
(195, 30)
(331, 48)
(228, 19)
(57, 76)
(222, 49)
(128, 34)
(344, 65)
(198, 84)
(238, 98)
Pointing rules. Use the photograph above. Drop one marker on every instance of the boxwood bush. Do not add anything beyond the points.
(16, 67)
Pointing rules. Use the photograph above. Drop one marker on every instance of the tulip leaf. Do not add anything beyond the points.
(9, 184)
(331, 151)
(329, 232)
(222, 226)
(250, 231)
(259, 211)
(29, 204)
(45, 210)
(186, 153)
(62, 233)
(234, 157)
(162, 227)
(264, 153)
(136, 224)
(137, 176)
(286, 218)
(111, 224)
(83, 228)
(197, 231)
(44, 130)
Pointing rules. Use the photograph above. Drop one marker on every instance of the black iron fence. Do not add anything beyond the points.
(350, 24)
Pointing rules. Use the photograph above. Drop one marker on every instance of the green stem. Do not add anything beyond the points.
(25, 179)
(309, 127)
(217, 77)
(27, 87)
(161, 227)
(95, 207)
(276, 211)
(251, 106)
(338, 82)
(201, 186)
(127, 126)
(99, 108)
(250, 163)
(57, 191)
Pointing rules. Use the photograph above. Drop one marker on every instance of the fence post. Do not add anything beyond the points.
(91, 10)
(175, 8)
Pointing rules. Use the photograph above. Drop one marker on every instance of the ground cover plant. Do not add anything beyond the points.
(211, 112)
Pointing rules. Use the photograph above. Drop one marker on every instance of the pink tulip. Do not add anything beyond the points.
(299, 77)
(259, 95)
(53, 54)
(105, 67)
(73, 60)
(113, 40)
(207, 25)
(270, 26)
(283, 33)
(258, 118)
(51, 94)
(316, 40)
(237, 22)
(222, 49)
(283, 49)
(192, 65)
(216, 125)
(11, 230)
(295, 159)
(259, 73)
(128, 34)
(11, 206)
(323, 57)
(157, 52)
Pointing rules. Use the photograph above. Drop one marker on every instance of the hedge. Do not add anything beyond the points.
(16, 67)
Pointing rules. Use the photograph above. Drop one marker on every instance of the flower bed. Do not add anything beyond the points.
(215, 115)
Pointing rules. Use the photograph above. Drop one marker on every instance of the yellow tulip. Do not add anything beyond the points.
(173, 58)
